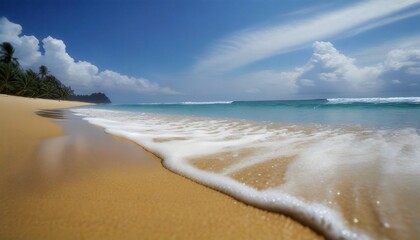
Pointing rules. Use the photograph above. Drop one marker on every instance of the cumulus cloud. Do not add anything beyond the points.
(405, 59)
(26, 47)
(81, 75)
(329, 71)
(252, 45)
(334, 70)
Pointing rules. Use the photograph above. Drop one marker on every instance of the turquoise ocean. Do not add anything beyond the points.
(347, 167)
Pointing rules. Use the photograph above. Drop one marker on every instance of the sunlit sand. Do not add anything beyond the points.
(82, 183)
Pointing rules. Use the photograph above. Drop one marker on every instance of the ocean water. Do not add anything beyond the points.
(349, 168)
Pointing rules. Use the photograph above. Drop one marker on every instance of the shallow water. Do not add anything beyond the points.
(367, 112)
(351, 181)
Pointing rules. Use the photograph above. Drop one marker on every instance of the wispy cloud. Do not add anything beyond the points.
(252, 45)
(385, 21)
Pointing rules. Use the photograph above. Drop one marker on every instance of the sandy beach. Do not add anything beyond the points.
(66, 179)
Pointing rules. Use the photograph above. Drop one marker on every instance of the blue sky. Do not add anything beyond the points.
(207, 50)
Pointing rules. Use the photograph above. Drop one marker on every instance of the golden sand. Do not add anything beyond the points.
(89, 185)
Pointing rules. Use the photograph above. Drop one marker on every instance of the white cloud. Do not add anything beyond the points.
(108, 79)
(329, 71)
(378, 52)
(329, 65)
(255, 44)
(332, 71)
(26, 47)
(385, 22)
(81, 75)
(408, 59)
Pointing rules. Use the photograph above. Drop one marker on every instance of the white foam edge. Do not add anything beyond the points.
(374, 100)
(315, 215)
(188, 103)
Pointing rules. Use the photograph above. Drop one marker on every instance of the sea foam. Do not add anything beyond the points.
(374, 100)
(188, 103)
(345, 182)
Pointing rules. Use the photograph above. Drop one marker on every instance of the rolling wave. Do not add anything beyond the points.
(374, 100)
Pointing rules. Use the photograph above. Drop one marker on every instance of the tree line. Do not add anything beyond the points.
(27, 83)
(92, 98)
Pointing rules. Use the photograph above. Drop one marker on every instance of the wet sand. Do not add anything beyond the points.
(66, 179)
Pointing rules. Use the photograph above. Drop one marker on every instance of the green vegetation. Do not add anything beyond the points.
(93, 98)
(7, 51)
(27, 83)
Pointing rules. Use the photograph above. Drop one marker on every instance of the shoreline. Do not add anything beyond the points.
(88, 184)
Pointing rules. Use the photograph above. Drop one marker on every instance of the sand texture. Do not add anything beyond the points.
(75, 182)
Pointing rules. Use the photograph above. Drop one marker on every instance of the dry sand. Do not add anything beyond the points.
(89, 185)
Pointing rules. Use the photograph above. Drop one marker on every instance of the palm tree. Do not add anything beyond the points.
(14, 80)
(27, 83)
(6, 54)
(8, 74)
(50, 87)
(66, 92)
(43, 71)
(48, 91)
